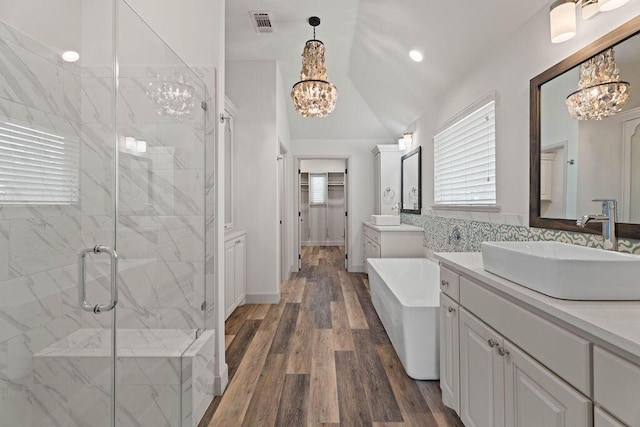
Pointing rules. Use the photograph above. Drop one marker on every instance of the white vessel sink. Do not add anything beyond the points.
(385, 219)
(565, 271)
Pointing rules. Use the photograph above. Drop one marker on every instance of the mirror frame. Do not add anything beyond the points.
(404, 157)
(628, 230)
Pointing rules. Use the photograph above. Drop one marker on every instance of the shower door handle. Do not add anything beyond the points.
(82, 286)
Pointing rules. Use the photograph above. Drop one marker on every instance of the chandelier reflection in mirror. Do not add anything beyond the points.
(173, 96)
(600, 92)
(313, 95)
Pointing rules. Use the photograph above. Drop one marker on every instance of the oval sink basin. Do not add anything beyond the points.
(385, 219)
(565, 271)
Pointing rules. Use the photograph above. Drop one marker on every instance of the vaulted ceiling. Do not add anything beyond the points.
(381, 90)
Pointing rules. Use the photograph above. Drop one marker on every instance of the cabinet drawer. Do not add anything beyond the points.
(372, 234)
(564, 353)
(371, 248)
(450, 283)
(602, 419)
(616, 386)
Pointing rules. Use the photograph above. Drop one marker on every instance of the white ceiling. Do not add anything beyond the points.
(381, 90)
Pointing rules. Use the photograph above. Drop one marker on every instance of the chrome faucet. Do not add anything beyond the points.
(608, 219)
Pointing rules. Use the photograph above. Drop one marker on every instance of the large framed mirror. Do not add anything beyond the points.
(583, 150)
(411, 182)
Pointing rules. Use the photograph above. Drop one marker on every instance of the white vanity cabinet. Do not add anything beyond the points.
(234, 270)
(502, 386)
(519, 366)
(392, 241)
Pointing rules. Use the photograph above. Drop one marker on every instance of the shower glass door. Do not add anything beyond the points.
(102, 190)
(160, 220)
(57, 180)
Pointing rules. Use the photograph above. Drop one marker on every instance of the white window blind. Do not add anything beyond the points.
(37, 167)
(465, 159)
(318, 192)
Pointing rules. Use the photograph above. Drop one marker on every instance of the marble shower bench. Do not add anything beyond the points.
(164, 378)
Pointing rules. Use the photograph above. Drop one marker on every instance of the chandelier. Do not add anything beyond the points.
(173, 96)
(600, 92)
(313, 95)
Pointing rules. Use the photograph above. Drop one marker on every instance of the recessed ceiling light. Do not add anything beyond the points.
(70, 56)
(415, 55)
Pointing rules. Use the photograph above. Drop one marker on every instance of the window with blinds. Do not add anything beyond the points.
(318, 191)
(37, 167)
(465, 159)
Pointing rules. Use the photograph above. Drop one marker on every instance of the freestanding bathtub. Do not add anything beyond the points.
(406, 294)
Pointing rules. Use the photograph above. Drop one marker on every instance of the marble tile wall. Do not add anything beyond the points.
(161, 222)
(453, 231)
(38, 243)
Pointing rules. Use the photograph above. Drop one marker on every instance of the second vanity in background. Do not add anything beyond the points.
(235, 275)
(393, 241)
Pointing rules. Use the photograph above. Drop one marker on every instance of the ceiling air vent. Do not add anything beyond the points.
(262, 21)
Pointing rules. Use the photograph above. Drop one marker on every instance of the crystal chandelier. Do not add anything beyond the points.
(313, 95)
(173, 96)
(600, 92)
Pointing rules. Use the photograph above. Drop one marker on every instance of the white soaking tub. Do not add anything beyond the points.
(406, 294)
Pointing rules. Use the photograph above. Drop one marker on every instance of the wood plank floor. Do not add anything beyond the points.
(320, 357)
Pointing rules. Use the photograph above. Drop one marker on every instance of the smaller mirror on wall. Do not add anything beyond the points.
(411, 183)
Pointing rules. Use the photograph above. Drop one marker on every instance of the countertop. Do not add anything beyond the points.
(614, 322)
(233, 234)
(401, 227)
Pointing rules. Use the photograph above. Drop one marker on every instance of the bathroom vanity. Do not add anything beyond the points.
(510, 356)
(235, 270)
(392, 241)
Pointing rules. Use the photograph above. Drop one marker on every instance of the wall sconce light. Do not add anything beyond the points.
(562, 15)
(405, 141)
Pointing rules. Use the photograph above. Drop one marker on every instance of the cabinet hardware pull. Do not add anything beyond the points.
(451, 310)
(503, 351)
(492, 343)
(444, 283)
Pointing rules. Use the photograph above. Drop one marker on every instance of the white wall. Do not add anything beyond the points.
(252, 87)
(360, 183)
(508, 69)
(284, 142)
(322, 165)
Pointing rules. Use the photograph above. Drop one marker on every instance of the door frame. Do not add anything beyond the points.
(295, 207)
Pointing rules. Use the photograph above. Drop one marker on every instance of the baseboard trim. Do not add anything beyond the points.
(220, 382)
(324, 243)
(262, 298)
(357, 269)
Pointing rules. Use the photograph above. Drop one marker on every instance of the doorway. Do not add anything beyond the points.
(322, 205)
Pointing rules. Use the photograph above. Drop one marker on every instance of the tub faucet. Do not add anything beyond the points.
(608, 219)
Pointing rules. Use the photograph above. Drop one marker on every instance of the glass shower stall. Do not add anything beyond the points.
(102, 221)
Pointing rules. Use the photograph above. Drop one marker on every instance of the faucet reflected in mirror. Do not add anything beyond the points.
(608, 219)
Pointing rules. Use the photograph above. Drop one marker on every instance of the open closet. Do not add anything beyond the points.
(322, 202)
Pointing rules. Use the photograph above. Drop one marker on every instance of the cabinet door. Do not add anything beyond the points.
(449, 352)
(240, 276)
(481, 374)
(535, 397)
(603, 419)
(229, 277)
